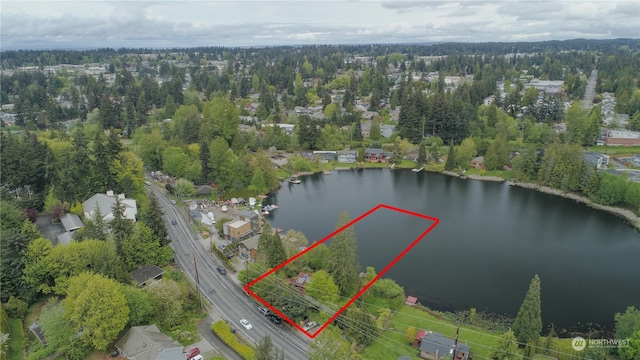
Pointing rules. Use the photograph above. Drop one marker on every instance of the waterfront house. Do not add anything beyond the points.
(477, 162)
(252, 218)
(248, 248)
(375, 155)
(237, 230)
(434, 346)
(347, 156)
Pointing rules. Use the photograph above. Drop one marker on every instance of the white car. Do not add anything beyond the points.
(310, 325)
(246, 324)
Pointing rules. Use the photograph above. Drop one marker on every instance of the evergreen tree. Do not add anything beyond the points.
(152, 217)
(507, 348)
(357, 131)
(121, 227)
(265, 350)
(528, 323)
(360, 325)
(422, 154)
(270, 249)
(451, 158)
(95, 228)
(396, 157)
(548, 341)
(169, 107)
(344, 264)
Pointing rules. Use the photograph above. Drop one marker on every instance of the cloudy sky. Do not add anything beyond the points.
(94, 23)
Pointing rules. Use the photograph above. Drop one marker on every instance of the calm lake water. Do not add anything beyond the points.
(491, 240)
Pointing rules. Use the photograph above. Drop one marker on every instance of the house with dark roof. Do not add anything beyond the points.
(301, 280)
(247, 249)
(434, 346)
(376, 155)
(594, 158)
(147, 342)
(146, 273)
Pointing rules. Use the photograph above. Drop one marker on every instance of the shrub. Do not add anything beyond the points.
(16, 308)
(223, 331)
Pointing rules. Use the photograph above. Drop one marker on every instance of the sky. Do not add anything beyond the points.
(168, 24)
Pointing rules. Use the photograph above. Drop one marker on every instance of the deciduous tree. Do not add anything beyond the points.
(322, 287)
(328, 346)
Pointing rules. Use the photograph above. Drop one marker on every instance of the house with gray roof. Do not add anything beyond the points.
(71, 222)
(105, 202)
(146, 273)
(594, 158)
(248, 248)
(147, 342)
(434, 346)
(387, 130)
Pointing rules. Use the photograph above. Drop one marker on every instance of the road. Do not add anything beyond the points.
(228, 300)
(590, 90)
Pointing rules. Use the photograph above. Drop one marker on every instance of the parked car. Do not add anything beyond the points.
(276, 320)
(192, 353)
(197, 357)
(173, 202)
(173, 222)
(221, 270)
(246, 324)
(310, 325)
(264, 311)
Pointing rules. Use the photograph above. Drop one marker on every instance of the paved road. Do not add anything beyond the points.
(228, 300)
(590, 90)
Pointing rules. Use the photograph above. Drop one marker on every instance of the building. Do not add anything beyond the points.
(434, 346)
(237, 230)
(376, 155)
(596, 159)
(347, 156)
(142, 275)
(147, 342)
(387, 130)
(248, 249)
(622, 138)
(300, 281)
(105, 202)
(325, 156)
(252, 218)
(71, 223)
(477, 162)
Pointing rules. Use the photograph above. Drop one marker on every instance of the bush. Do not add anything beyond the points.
(223, 331)
(16, 308)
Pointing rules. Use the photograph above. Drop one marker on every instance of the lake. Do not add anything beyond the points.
(491, 240)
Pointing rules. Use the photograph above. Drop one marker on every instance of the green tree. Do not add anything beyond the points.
(270, 249)
(265, 350)
(150, 148)
(507, 348)
(140, 304)
(578, 124)
(174, 161)
(129, 174)
(322, 288)
(120, 226)
(528, 323)
(627, 322)
(57, 328)
(169, 107)
(221, 164)
(360, 326)
(220, 117)
(634, 121)
(152, 217)
(465, 152)
(422, 154)
(497, 155)
(318, 257)
(374, 132)
(328, 346)
(632, 350)
(410, 334)
(344, 265)
(451, 158)
(167, 301)
(397, 153)
(142, 247)
(97, 309)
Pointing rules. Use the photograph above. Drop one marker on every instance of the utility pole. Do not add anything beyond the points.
(246, 269)
(195, 265)
(455, 344)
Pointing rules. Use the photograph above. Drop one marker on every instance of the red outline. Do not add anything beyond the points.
(342, 309)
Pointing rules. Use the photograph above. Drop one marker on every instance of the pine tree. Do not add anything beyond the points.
(152, 217)
(422, 154)
(344, 264)
(507, 348)
(451, 158)
(270, 249)
(121, 227)
(528, 323)
(265, 350)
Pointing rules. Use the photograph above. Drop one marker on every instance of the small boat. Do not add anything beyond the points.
(265, 212)
(326, 172)
(224, 208)
(294, 180)
(417, 170)
(512, 183)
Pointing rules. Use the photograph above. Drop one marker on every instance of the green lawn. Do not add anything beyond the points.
(392, 343)
(16, 340)
(616, 150)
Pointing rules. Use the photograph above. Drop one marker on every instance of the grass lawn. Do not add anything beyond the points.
(392, 343)
(616, 150)
(505, 174)
(16, 340)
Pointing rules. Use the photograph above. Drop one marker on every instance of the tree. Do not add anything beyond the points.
(265, 350)
(507, 348)
(174, 161)
(318, 257)
(632, 350)
(360, 326)
(120, 226)
(422, 154)
(497, 155)
(465, 152)
(140, 304)
(167, 301)
(374, 132)
(328, 346)
(397, 154)
(451, 158)
(97, 309)
(578, 124)
(627, 323)
(169, 107)
(410, 334)
(58, 329)
(309, 132)
(152, 217)
(344, 265)
(142, 247)
(220, 117)
(270, 249)
(184, 189)
(528, 323)
(322, 287)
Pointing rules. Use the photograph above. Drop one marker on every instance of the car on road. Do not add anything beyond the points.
(173, 222)
(276, 320)
(221, 270)
(310, 325)
(173, 202)
(264, 311)
(192, 353)
(246, 324)
(197, 357)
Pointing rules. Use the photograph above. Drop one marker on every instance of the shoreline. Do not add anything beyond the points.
(627, 215)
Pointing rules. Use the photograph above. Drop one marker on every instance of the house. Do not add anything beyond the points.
(104, 203)
(434, 346)
(248, 248)
(148, 343)
(65, 238)
(300, 281)
(375, 155)
(636, 161)
(237, 230)
(365, 128)
(596, 159)
(252, 218)
(387, 130)
(71, 222)
(347, 156)
(146, 273)
(324, 156)
(477, 162)
(622, 138)
(203, 190)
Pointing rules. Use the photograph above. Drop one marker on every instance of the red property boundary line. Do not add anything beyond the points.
(364, 288)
